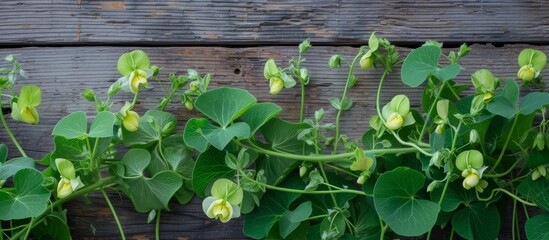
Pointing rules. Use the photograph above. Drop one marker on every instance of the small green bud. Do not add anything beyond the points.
(539, 172)
(432, 186)
(527, 73)
(194, 85)
(335, 61)
(539, 142)
(477, 105)
(189, 104)
(366, 62)
(303, 170)
(114, 88)
(395, 121)
(474, 136)
(440, 128)
(304, 46)
(89, 95)
(361, 179)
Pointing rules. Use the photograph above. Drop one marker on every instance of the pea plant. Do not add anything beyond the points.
(456, 163)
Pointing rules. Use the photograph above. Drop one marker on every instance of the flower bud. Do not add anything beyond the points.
(362, 164)
(432, 186)
(131, 121)
(335, 61)
(473, 136)
(89, 95)
(477, 105)
(487, 97)
(189, 104)
(137, 78)
(539, 142)
(527, 73)
(64, 188)
(361, 180)
(303, 170)
(395, 121)
(194, 85)
(366, 62)
(276, 84)
(440, 129)
(539, 172)
(30, 115)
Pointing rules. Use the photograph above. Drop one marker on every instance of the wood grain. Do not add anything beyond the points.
(63, 73)
(235, 22)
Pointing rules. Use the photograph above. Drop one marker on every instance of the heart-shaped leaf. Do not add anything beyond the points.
(536, 227)
(448, 72)
(209, 167)
(533, 102)
(420, 63)
(476, 221)
(30, 198)
(148, 193)
(102, 125)
(290, 220)
(152, 127)
(74, 125)
(9, 168)
(259, 222)
(223, 105)
(259, 114)
(536, 191)
(200, 132)
(397, 203)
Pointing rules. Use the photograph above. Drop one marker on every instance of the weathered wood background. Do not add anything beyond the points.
(67, 46)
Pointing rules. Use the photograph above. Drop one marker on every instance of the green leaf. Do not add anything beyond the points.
(102, 125)
(537, 158)
(323, 202)
(535, 57)
(290, 220)
(153, 126)
(199, 130)
(129, 62)
(511, 91)
(193, 135)
(274, 204)
(259, 114)
(477, 222)
(29, 96)
(501, 106)
(536, 191)
(451, 199)
(30, 198)
(223, 105)
(282, 135)
(148, 193)
(3, 153)
(536, 227)
(74, 125)
(373, 42)
(397, 203)
(533, 102)
(209, 167)
(11, 167)
(448, 72)
(53, 227)
(419, 64)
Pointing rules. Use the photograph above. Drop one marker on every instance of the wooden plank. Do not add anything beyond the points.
(235, 22)
(63, 73)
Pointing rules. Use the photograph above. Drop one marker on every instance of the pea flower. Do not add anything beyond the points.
(485, 83)
(223, 204)
(277, 78)
(24, 109)
(363, 164)
(137, 78)
(471, 164)
(531, 63)
(397, 113)
(68, 182)
(275, 84)
(130, 119)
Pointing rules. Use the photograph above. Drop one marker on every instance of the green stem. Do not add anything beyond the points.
(300, 191)
(378, 102)
(505, 144)
(526, 211)
(157, 227)
(383, 229)
(498, 175)
(13, 139)
(508, 193)
(327, 183)
(344, 98)
(514, 219)
(341, 170)
(317, 217)
(120, 229)
(135, 97)
(325, 158)
(302, 108)
(28, 229)
(168, 99)
(59, 202)
(427, 118)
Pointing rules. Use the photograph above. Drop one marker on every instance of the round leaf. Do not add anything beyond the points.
(536, 227)
(30, 198)
(419, 64)
(397, 203)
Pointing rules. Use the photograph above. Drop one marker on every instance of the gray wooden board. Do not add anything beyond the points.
(63, 73)
(235, 22)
